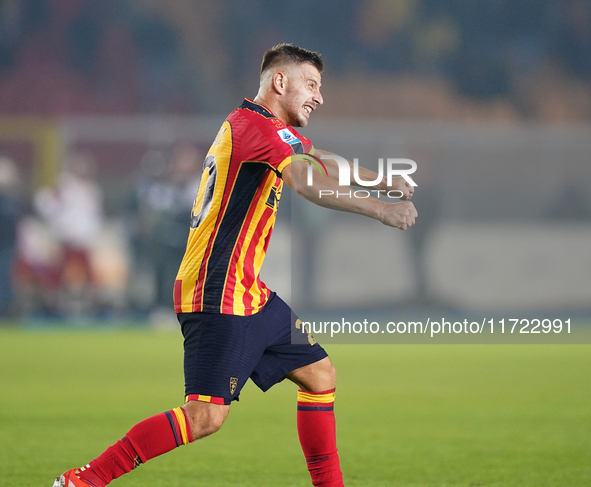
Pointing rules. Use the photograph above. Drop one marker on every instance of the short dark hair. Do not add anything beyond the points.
(285, 52)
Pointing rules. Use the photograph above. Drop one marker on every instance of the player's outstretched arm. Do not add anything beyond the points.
(325, 192)
(332, 168)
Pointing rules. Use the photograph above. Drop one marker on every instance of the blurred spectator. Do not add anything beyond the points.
(141, 221)
(10, 209)
(163, 201)
(74, 211)
(37, 269)
(172, 230)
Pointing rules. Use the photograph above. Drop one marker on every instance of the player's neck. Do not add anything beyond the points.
(272, 105)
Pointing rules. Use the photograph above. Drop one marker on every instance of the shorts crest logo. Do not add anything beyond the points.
(233, 384)
(305, 329)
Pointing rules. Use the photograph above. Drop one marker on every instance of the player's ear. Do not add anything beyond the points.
(279, 81)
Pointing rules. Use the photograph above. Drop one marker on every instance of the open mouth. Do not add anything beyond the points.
(308, 109)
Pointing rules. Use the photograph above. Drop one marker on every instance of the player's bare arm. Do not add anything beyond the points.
(400, 215)
(398, 183)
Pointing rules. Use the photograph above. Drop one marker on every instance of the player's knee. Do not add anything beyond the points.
(205, 419)
(205, 429)
(316, 377)
(204, 426)
(215, 423)
(326, 375)
(331, 376)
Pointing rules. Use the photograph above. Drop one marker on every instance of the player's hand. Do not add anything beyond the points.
(399, 215)
(400, 184)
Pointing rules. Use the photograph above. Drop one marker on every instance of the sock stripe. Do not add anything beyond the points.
(316, 397)
(303, 403)
(180, 417)
(173, 427)
(188, 426)
(316, 408)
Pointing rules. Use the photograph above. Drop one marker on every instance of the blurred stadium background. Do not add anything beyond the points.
(108, 107)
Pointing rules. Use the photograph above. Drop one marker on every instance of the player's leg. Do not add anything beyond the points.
(148, 439)
(316, 421)
(296, 356)
(215, 354)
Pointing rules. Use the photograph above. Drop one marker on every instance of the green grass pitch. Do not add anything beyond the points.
(410, 415)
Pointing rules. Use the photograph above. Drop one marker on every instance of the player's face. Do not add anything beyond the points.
(302, 94)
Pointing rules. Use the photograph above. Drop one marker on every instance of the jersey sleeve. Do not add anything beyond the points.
(273, 143)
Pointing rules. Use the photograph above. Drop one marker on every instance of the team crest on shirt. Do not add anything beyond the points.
(273, 199)
(288, 137)
(233, 384)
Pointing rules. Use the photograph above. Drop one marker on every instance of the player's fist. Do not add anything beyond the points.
(406, 190)
(399, 215)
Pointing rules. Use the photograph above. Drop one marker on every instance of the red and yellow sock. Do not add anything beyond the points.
(317, 432)
(147, 439)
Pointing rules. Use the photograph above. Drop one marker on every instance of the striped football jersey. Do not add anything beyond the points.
(234, 213)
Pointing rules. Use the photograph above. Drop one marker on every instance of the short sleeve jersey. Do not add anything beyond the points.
(234, 213)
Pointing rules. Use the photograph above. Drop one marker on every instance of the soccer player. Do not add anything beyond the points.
(234, 327)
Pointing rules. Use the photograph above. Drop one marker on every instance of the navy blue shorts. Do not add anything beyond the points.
(223, 351)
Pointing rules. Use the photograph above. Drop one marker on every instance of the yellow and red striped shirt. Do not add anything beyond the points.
(234, 213)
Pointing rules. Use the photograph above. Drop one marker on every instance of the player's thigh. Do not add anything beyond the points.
(289, 349)
(221, 351)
